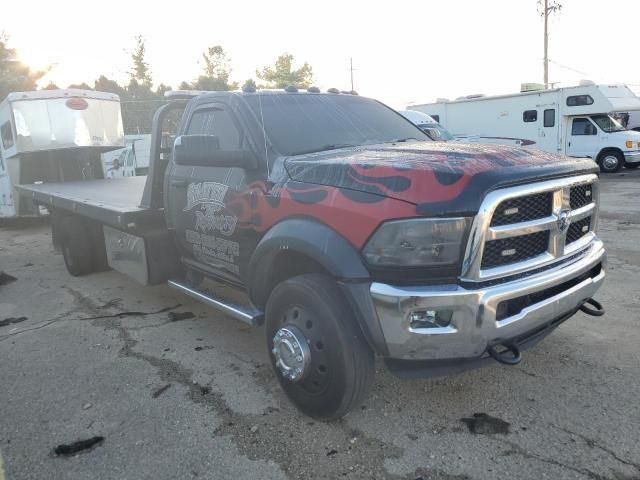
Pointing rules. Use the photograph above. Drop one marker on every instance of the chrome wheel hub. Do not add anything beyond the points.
(291, 351)
(610, 161)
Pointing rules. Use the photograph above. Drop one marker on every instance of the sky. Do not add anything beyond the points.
(403, 51)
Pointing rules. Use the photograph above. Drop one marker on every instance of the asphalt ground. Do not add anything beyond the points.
(99, 356)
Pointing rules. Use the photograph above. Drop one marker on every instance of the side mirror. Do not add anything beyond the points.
(204, 151)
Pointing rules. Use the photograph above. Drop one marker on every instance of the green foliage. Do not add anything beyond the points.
(81, 86)
(216, 71)
(140, 70)
(282, 75)
(250, 84)
(14, 75)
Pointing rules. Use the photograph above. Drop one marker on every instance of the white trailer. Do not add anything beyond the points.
(573, 121)
(53, 136)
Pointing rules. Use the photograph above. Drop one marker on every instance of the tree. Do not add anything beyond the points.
(51, 86)
(249, 85)
(81, 86)
(104, 84)
(15, 76)
(140, 70)
(216, 71)
(281, 74)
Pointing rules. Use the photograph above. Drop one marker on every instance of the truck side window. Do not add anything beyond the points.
(530, 116)
(578, 100)
(550, 117)
(219, 122)
(7, 135)
(436, 118)
(582, 126)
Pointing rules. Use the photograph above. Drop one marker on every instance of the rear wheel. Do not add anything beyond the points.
(610, 161)
(75, 243)
(317, 350)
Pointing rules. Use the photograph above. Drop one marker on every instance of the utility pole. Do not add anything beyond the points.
(351, 70)
(546, 44)
(548, 9)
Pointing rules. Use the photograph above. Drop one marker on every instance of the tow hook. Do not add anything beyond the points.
(597, 311)
(510, 355)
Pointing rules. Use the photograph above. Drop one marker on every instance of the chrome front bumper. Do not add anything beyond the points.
(473, 325)
(632, 157)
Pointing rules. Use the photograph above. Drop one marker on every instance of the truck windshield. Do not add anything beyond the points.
(607, 123)
(298, 124)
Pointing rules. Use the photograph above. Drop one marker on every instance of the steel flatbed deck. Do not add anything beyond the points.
(114, 201)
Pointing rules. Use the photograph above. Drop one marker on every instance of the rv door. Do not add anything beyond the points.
(582, 138)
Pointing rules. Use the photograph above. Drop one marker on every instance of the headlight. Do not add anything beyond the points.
(417, 242)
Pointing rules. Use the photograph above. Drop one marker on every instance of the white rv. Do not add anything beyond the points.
(53, 136)
(574, 121)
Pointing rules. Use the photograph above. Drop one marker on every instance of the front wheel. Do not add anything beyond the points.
(317, 350)
(610, 161)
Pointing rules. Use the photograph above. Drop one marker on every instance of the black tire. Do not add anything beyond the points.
(75, 243)
(342, 363)
(610, 161)
(632, 166)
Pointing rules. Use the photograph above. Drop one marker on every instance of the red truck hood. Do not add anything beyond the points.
(434, 176)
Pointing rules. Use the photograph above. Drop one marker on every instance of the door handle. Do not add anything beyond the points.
(179, 183)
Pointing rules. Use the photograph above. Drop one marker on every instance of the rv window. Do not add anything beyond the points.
(436, 118)
(578, 100)
(582, 126)
(550, 117)
(530, 116)
(7, 135)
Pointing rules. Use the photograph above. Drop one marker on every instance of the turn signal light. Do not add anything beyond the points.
(629, 144)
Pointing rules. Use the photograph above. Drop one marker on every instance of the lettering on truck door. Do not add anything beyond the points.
(205, 228)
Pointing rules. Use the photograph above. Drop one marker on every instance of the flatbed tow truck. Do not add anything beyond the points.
(351, 233)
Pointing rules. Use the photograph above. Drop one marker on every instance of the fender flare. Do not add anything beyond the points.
(311, 238)
(332, 252)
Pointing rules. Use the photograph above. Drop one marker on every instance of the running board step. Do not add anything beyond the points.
(240, 312)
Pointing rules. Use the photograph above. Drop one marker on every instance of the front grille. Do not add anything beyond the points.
(581, 195)
(505, 239)
(523, 209)
(498, 253)
(578, 230)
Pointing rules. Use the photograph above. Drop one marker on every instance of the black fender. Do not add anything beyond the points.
(334, 253)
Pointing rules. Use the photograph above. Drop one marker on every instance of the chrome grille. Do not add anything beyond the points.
(578, 229)
(522, 209)
(524, 228)
(514, 249)
(580, 196)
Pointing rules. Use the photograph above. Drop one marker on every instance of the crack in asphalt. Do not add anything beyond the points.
(266, 436)
(517, 449)
(594, 444)
(81, 303)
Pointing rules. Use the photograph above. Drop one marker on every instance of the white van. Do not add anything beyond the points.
(574, 121)
(54, 136)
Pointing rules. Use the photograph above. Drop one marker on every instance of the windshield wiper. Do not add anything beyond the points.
(324, 148)
(401, 140)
